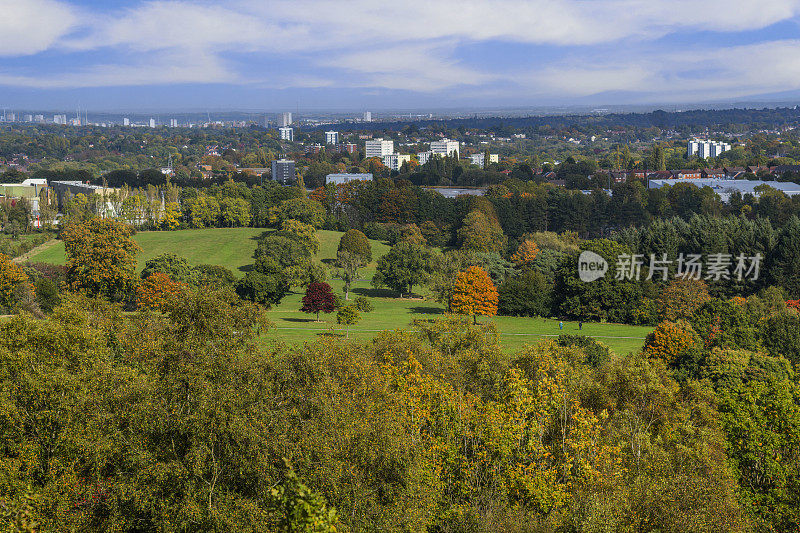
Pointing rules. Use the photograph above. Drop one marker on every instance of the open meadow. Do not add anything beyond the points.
(233, 248)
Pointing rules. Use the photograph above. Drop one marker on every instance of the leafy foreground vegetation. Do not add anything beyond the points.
(181, 421)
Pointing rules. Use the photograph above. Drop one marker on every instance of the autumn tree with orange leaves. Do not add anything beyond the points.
(11, 275)
(526, 253)
(474, 294)
(101, 257)
(156, 290)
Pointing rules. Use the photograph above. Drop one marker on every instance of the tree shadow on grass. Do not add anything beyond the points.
(423, 310)
(374, 293)
(301, 320)
(330, 334)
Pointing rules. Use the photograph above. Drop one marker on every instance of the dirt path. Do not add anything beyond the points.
(27, 255)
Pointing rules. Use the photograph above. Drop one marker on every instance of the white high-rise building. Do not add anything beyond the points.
(285, 119)
(38, 118)
(331, 137)
(173, 123)
(395, 161)
(367, 116)
(152, 123)
(423, 157)
(60, 119)
(28, 118)
(378, 148)
(477, 159)
(705, 149)
(126, 121)
(11, 117)
(445, 147)
(287, 134)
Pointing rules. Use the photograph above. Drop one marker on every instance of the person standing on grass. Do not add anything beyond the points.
(560, 325)
(580, 325)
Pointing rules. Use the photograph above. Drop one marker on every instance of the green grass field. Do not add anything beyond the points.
(233, 248)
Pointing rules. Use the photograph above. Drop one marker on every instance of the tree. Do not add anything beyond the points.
(156, 290)
(11, 276)
(356, 243)
(480, 234)
(235, 212)
(404, 266)
(288, 253)
(682, 298)
(101, 257)
(267, 286)
(303, 209)
(526, 253)
(304, 233)
(528, 293)
(348, 316)
(349, 264)
(298, 508)
(474, 294)
(318, 298)
(173, 265)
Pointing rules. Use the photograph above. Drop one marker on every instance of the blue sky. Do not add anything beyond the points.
(263, 55)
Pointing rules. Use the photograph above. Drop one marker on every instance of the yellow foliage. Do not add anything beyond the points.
(474, 293)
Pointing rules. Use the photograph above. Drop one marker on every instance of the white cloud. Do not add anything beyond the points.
(412, 45)
(32, 26)
(166, 68)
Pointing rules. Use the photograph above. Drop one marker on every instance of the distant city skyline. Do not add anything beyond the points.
(282, 56)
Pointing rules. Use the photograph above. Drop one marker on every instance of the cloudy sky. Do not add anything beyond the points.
(273, 54)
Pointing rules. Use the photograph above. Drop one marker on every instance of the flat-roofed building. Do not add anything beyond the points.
(395, 161)
(283, 171)
(339, 179)
(378, 148)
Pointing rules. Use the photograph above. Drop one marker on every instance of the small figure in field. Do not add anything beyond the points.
(580, 325)
(560, 325)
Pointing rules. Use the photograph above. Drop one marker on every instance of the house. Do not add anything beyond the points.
(716, 173)
(686, 173)
(734, 173)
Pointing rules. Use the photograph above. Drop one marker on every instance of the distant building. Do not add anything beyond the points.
(367, 116)
(395, 161)
(126, 121)
(173, 123)
(28, 118)
(285, 119)
(378, 148)
(314, 148)
(67, 189)
(706, 149)
(445, 147)
(346, 147)
(287, 134)
(11, 117)
(724, 188)
(477, 159)
(423, 157)
(60, 119)
(331, 137)
(283, 171)
(152, 123)
(339, 179)
(38, 118)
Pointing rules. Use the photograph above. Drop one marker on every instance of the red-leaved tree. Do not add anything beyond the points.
(318, 298)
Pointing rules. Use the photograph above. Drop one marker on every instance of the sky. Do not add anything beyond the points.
(268, 55)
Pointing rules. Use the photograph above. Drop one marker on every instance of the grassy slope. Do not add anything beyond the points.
(230, 247)
(233, 248)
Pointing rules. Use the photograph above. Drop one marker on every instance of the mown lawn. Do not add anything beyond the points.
(233, 248)
(291, 325)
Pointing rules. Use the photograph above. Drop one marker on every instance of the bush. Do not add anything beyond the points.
(363, 304)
